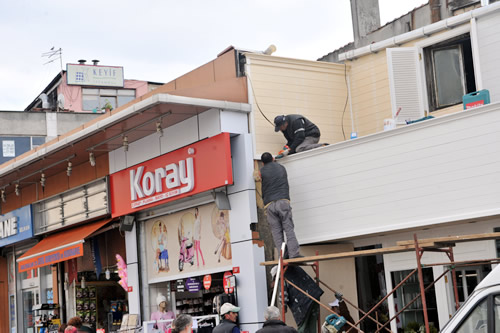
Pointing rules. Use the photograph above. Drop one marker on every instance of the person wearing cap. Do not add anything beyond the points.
(340, 308)
(229, 314)
(276, 197)
(162, 313)
(301, 134)
(273, 324)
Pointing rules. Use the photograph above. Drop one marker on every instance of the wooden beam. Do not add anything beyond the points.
(454, 239)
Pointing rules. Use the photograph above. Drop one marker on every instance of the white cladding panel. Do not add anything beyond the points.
(437, 171)
(489, 49)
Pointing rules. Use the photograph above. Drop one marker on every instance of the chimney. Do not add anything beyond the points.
(82, 61)
(95, 62)
(365, 18)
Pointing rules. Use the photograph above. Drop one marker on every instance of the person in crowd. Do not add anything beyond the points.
(70, 329)
(61, 328)
(182, 324)
(78, 323)
(301, 134)
(276, 197)
(273, 324)
(229, 315)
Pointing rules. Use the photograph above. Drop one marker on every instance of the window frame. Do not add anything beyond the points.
(468, 28)
(104, 94)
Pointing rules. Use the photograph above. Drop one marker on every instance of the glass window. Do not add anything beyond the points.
(30, 298)
(95, 99)
(449, 72)
(448, 75)
(477, 320)
(496, 311)
(497, 242)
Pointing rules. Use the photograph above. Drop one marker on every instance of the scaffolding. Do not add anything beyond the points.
(441, 244)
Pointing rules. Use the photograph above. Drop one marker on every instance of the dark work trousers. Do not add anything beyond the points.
(279, 217)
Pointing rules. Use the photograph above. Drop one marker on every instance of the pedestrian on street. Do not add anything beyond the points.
(276, 197)
(273, 323)
(78, 323)
(182, 324)
(301, 134)
(229, 314)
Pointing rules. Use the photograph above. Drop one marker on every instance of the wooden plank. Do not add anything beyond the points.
(454, 239)
(350, 254)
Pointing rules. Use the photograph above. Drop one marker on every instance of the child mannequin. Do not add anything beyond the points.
(162, 312)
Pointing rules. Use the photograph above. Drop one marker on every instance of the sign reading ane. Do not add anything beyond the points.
(196, 168)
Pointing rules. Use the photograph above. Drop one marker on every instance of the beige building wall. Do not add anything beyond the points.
(314, 89)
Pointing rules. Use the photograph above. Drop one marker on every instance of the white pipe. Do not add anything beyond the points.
(277, 277)
(425, 31)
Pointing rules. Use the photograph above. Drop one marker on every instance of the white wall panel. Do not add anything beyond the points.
(179, 135)
(209, 123)
(137, 152)
(489, 48)
(234, 122)
(433, 172)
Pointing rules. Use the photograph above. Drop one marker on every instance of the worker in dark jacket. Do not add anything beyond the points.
(276, 196)
(229, 314)
(273, 323)
(301, 134)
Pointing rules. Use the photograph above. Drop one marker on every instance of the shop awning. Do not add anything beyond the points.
(58, 247)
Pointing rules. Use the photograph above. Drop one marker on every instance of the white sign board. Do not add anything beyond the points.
(9, 148)
(90, 75)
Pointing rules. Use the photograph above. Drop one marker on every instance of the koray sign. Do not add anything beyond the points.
(193, 169)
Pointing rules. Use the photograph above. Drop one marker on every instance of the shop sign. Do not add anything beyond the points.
(236, 270)
(229, 282)
(197, 168)
(193, 285)
(52, 257)
(207, 281)
(16, 226)
(180, 285)
(90, 75)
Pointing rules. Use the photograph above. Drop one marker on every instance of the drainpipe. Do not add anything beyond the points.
(435, 6)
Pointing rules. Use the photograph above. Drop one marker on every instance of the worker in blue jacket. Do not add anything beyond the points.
(301, 134)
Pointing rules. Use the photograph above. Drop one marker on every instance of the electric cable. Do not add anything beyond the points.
(346, 99)
(256, 103)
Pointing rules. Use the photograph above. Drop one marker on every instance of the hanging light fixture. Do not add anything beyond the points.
(125, 143)
(82, 283)
(92, 159)
(159, 129)
(2, 195)
(69, 168)
(42, 180)
(17, 190)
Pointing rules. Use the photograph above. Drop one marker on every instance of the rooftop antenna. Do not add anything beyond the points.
(53, 55)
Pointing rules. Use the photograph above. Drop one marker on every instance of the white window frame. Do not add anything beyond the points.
(420, 45)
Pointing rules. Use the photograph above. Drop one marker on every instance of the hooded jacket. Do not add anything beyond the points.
(299, 127)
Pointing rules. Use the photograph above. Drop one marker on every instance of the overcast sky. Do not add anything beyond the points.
(159, 40)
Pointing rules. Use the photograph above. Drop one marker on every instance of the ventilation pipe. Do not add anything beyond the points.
(95, 62)
(82, 61)
(45, 100)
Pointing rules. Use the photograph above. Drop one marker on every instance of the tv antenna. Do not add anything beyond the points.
(53, 55)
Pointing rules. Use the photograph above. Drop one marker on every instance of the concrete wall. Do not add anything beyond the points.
(35, 123)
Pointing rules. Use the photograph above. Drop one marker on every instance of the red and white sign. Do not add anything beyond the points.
(236, 270)
(130, 289)
(207, 281)
(196, 168)
(228, 280)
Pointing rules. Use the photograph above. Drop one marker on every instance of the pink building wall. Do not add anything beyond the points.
(73, 94)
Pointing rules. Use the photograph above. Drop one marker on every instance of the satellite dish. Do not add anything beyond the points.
(45, 100)
(60, 102)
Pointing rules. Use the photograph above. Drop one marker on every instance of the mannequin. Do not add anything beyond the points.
(162, 313)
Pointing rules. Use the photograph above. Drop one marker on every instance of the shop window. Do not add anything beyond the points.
(449, 72)
(95, 99)
(468, 278)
